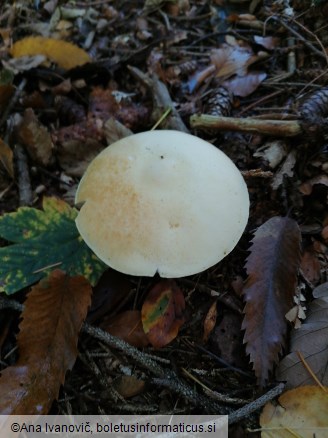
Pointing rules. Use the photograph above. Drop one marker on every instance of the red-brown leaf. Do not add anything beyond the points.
(272, 273)
(47, 342)
(127, 326)
(162, 313)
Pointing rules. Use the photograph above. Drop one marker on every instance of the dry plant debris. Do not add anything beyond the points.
(300, 412)
(251, 78)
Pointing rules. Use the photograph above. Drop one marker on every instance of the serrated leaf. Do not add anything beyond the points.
(47, 343)
(272, 273)
(43, 240)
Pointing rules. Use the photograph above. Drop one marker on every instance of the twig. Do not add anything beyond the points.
(283, 128)
(12, 102)
(223, 297)
(245, 411)
(161, 100)
(23, 176)
(166, 377)
(301, 38)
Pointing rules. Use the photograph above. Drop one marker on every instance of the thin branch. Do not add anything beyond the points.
(245, 411)
(282, 128)
(23, 176)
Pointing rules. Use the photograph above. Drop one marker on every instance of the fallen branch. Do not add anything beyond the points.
(282, 128)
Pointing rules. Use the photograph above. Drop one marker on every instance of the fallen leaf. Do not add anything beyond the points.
(269, 42)
(297, 313)
(128, 386)
(63, 53)
(42, 241)
(273, 152)
(310, 265)
(114, 130)
(307, 187)
(286, 169)
(300, 412)
(210, 321)
(162, 313)
(231, 59)
(226, 339)
(245, 85)
(268, 292)
(127, 326)
(6, 91)
(24, 63)
(47, 343)
(36, 138)
(311, 341)
(7, 157)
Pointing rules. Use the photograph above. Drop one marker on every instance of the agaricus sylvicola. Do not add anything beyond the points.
(162, 201)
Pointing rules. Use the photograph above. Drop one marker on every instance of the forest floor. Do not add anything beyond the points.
(248, 77)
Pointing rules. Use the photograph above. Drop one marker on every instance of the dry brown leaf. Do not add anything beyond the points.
(36, 138)
(307, 187)
(127, 326)
(114, 131)
(210, 321)
(269, 42)
(47, 342)
(311, 341)
(245, 85)
(6, 91)
(273, 152)
(7, 158)
(65, 54)
(287, 169)
(272, 273)
(301, 412)
(233, 59)
(310, 265)
(128, 386)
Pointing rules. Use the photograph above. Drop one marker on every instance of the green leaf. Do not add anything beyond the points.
(44, 241)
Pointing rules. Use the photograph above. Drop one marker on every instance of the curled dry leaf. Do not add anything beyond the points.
(47, 343)
(162, 313)
(210, 321)
(272, 273)
(245, 85)
(311, 341)
(301, 412)
(269, 42)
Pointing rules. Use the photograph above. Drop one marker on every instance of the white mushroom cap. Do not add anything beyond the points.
(162, 201)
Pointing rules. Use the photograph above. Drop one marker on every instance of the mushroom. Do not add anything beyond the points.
(162, 202)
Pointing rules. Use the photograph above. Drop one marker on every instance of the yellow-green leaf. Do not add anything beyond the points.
(63, 53)
(43, 241)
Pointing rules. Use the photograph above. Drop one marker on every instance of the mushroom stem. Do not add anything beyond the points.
(283, 128)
